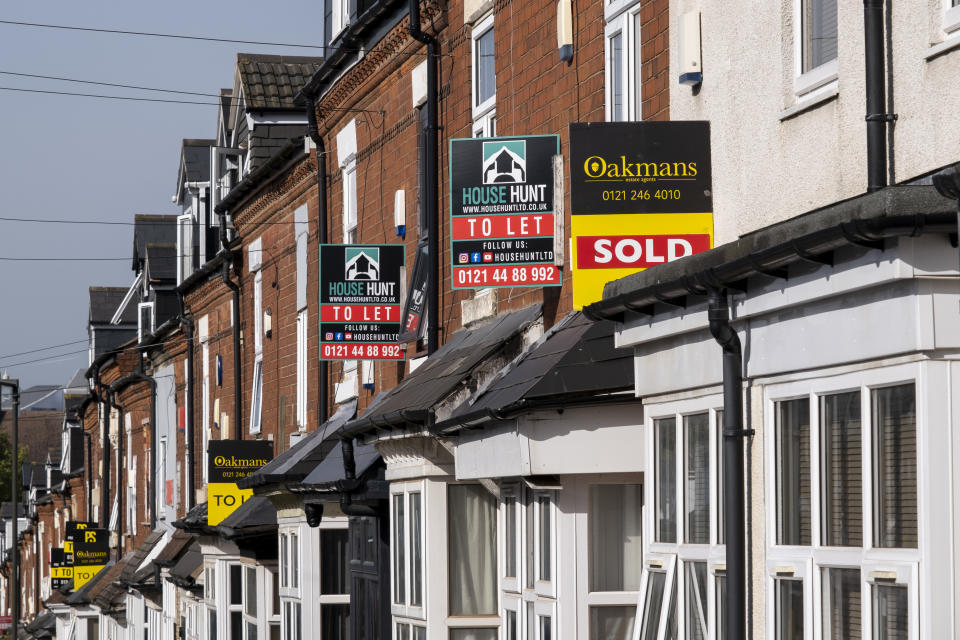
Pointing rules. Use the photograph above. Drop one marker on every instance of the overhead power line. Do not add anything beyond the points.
(108, 84)
(54, 346)
(161, 35)
(45, 359)
(105, 97)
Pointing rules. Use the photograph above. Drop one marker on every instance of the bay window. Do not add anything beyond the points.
(845, 524)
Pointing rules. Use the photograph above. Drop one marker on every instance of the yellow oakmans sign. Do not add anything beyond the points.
(227, 462)
(640, 196)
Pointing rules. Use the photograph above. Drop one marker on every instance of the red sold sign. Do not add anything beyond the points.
(618, 252)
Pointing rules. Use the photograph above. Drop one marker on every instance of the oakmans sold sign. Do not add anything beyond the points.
(640, 196)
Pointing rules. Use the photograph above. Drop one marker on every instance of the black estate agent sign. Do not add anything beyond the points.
(91, 551)
(61, 571)
(360, 304)
(227, 462)
(501, 208)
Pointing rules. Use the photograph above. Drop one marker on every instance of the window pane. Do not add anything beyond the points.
(695, 576)
(615, 542)
(335, 621)
(721, 505)
(510, 625)
(543, 509)
(251, 631)
(486, 69)
(890, 615)
(473, 550)
(284, 561)
(636, 75)
(473, 634)
(399, 547)
(236, 584)
(819, 32)
(250, 597)
(666, 469)
(841, 479)
(616, 78)
(528, 538)
(510, 530)
(403, 632)
(546, 628)
(236, 625)
(895, 453)
(841, 604)
(793, 471)
(334, 561)
(697, 476)
(653, 604)
(416, 552)
(294, 560)
(611, 623)
(789, 619)
(670, 631)
(721, 607)
(419, 633)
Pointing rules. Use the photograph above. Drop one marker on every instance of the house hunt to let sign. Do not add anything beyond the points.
(640, 196)
(360, 303)
(227, 462)
(502, 212)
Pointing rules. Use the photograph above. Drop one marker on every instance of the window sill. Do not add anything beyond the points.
(951, 43)
(810, 102)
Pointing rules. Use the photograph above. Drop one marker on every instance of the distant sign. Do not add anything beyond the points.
(227, 462)
(501, 209)
(416, 303)
(360, 303)
(70, 532)
(61, 571)
(640, 195)
(6, 622)
(91, 552)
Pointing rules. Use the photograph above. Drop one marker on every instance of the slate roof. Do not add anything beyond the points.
(254, 517)
(195, 159)
(150, 229)
(33, 475)
(43, 626)
(130, 573)
(108, 590)
(6, 510)
(184, 573)
(298, 461)
(574, 359)
(179, 541)
(78, 384)
(104, 302)
(161, 262)
(266, 140)
(271, 82)
(412, 401)
(329, 472)
(42, 397)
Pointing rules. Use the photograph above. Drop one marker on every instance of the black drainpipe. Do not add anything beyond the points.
(351, 484)
(186, 322)
(314, 131)
(87, 437)
(127, 380)
(237, 386)
(430, 179)
(877, 117)
(718, 313)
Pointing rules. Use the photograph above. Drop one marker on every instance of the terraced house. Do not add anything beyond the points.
(529, 436)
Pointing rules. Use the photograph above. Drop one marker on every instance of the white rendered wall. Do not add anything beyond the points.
(768, 168)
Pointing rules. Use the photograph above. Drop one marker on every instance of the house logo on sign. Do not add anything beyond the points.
(504, 162)
(362, 263)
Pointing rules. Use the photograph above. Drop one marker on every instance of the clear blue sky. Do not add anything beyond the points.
(90, 159)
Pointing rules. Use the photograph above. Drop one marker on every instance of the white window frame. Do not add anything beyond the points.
(488, 106)
(623, 17)
(161, 504)
(265, 616)
(205, 401)
(302, 385)
(350, 217)
(666, 563)
(905, 562)
(185, 224)
(339, 17)
(951, 17)
(819, 80)
(409, 612)
(143, 332)
(256, 393)
(328, 524)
